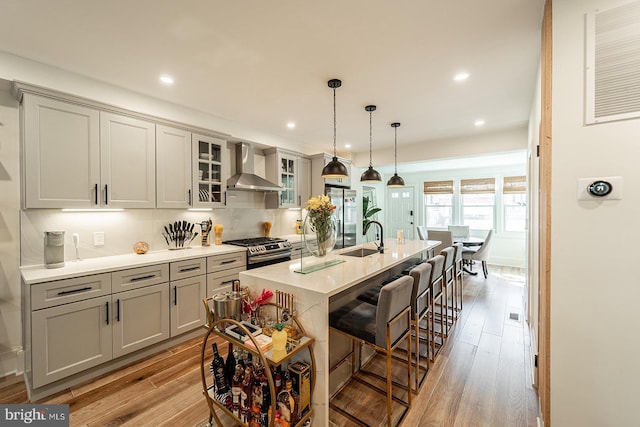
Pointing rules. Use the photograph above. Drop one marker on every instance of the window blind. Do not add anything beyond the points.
(514, 185)
(480, 185)
(438, 187)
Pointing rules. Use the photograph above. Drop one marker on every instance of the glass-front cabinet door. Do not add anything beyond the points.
(288, 181)
(209, 171)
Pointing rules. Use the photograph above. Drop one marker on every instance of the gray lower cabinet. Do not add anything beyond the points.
(74, 324)
(186, 304)
(70, 338)
(140, 317)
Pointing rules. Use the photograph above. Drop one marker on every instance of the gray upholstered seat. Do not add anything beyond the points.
(422, 232)
(383, 326)
(459, 230)
(372, 294)
(444, 236)
(481, 253)
(459, 288)
(448, 285)
(437, 266)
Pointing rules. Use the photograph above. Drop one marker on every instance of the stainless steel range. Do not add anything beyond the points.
(263, 251)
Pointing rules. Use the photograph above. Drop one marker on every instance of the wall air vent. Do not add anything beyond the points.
(613, 64)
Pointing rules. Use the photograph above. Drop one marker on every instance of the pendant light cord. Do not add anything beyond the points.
(335, 154)
(370, 144)
(395, 151)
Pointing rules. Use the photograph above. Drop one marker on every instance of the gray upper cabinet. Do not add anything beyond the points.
(61, 154)
(128, 170)
(210, 165)
(78, 157)
(292, 172)
(173, 165)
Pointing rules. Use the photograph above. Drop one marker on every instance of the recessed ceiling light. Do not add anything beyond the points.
(166, 79)
(479, 122)
(291, 125)
(461, 76)
(347, 145)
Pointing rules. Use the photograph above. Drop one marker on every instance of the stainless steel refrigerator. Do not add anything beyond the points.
(346, 214)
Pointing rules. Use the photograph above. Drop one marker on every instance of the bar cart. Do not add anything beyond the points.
(297, 347)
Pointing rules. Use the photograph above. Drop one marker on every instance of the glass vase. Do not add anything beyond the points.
(319, 242)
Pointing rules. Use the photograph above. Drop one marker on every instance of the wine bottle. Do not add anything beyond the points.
(217, 369)
(230, 364)
(236, 390)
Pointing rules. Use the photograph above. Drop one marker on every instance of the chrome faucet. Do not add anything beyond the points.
(366, 228)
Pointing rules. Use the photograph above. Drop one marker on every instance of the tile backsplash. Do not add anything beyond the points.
(123, 229)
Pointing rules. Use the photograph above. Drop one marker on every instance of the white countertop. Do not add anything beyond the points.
(334, 279)
(39, 273)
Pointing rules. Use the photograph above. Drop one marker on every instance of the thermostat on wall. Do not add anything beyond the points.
(602, 188)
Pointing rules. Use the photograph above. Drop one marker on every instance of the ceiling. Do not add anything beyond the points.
(266, 63)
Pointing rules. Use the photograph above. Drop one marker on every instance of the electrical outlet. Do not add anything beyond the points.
(98, 238)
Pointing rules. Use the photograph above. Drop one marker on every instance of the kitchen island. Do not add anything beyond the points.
(318, 292)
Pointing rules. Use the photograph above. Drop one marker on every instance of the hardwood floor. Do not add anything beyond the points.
(480, 378)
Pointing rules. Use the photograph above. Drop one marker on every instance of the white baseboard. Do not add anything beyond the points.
(11, 362)
(540, 422)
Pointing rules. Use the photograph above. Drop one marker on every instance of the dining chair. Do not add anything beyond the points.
(422, 232)
(459, 230)
(480, 253)
(444, 236)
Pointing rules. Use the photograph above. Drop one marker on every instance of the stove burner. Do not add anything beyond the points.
(254, 241)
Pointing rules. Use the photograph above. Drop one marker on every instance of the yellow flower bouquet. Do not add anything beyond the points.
(319, 221)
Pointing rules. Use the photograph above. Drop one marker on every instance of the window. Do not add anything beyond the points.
(478, 203)
(514, 202)
(438, 202)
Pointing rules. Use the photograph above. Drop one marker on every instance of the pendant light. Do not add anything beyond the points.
(370, 175)
(395, 180)
(334, 169)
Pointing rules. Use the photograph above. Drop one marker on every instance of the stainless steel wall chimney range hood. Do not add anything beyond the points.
(245, 178)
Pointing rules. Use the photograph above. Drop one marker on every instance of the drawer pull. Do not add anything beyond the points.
(137, 279)
(184, 270)
(74, 291)
(227, 281)
(229, 261)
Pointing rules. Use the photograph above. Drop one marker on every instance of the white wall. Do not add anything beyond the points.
(10, 323)
(594, 288)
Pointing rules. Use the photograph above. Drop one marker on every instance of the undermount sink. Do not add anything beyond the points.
(361, 252)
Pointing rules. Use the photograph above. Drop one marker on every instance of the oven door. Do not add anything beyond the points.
(256, 261)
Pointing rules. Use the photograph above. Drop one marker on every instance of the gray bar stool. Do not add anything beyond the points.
(449, 286)
(383, 327)
(459, 273)
(436, 285)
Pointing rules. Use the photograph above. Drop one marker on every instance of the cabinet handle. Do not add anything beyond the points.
(299, 200)
(190, 202)
(95, 192)
(107, 304)
(184, 270)
(137, 279)
(225, 198)
(106, 194)
(118, 310)
(74, 291)
(227, 281)
(229, 261)
(175, 295)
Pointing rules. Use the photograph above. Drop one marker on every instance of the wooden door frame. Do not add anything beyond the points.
(544, 212)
